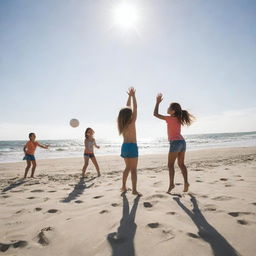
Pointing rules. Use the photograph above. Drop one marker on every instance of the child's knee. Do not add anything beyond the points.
(170, 165)
(133, 170)
(181, 165)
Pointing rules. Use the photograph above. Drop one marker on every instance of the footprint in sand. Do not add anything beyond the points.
(198, 170)
(5, 247)
(223, 179)
(37, 191)
(153, 225)
(53, 211)
(243, 222)
(115, 204)
(78, 201)
(236, 214)
(51, 191)
(168, 234)
(254, 203)
(96, 197)
(37, 209)
(199, 181)
(31, 197)
(171, 213)
(42, 238)
(222, 198)
(147, 204)
(210, 208)
(156, 196)
(5, 196)
(104, 211)
(193, 235)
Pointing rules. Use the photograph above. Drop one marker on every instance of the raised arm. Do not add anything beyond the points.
(159, 98)
(129, 100)
(131, 94)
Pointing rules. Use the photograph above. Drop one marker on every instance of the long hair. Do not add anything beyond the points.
(124, 118)
(184, 117)
(85, 133)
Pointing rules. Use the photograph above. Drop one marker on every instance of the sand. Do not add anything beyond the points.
(57, 213)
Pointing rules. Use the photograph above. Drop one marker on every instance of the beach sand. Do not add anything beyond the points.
(57, 213)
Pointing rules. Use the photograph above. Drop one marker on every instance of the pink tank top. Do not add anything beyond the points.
(173, 128)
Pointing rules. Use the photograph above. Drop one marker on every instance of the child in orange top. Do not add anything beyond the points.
(29, 150)
(176, 118)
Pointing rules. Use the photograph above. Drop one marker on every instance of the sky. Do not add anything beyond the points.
(63, 59)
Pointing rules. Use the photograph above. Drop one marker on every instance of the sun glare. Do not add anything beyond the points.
(125, 16)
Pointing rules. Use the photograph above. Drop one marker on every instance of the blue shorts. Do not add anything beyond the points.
(29, 157)
(177, 146)
(129, 150)
(90, 155)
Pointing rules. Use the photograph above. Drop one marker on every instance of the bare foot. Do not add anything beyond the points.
(170, 189)
(186, 186)
(136, 193)
(99, 174)
(123, 189)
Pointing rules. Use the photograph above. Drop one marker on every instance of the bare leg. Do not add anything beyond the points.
(96, 165)
(27, 168)
(181, 157)
(86, 161)
(171, 160)
(133, 163)
(33, 168)
(125, 175)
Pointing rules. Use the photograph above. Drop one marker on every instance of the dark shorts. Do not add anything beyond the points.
(29, 157)
(129, 150)
(90, 155)
(177, 146)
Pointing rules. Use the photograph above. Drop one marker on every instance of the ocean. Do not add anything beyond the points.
(12, 151)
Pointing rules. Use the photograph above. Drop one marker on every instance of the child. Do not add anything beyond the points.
(126, 126)
(89, 143)
(176, 118)
(29, 150)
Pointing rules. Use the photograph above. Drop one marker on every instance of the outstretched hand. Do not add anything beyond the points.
(159, 97)
(131, 91)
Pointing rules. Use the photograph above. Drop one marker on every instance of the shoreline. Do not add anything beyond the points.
(188, 152)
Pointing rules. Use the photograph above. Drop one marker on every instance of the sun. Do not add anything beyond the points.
(125, 15)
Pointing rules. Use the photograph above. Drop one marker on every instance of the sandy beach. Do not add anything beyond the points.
(57, 213)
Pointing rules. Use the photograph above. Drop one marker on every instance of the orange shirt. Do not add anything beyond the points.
(173, 128)
(31, 147)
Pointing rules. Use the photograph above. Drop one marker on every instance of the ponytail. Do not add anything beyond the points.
(186, 118)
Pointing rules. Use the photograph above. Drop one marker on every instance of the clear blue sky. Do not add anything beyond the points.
(61, 59)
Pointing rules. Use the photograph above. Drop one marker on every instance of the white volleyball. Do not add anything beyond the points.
(74, 122)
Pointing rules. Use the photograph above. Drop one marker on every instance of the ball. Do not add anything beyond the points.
(74, 123)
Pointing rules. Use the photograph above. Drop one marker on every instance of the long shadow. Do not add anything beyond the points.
(78, 190)
(14, 185)
(220, 246)
(122, 241)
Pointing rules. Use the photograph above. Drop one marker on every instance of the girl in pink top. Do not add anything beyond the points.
(176, 118)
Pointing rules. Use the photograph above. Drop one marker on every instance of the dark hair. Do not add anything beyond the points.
(124, 118)
(87, 130)
(31, 134)
(184, 117)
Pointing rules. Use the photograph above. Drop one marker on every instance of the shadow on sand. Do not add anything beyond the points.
(14, 185)
(122, 241)
(78, 190)
(219, 245)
